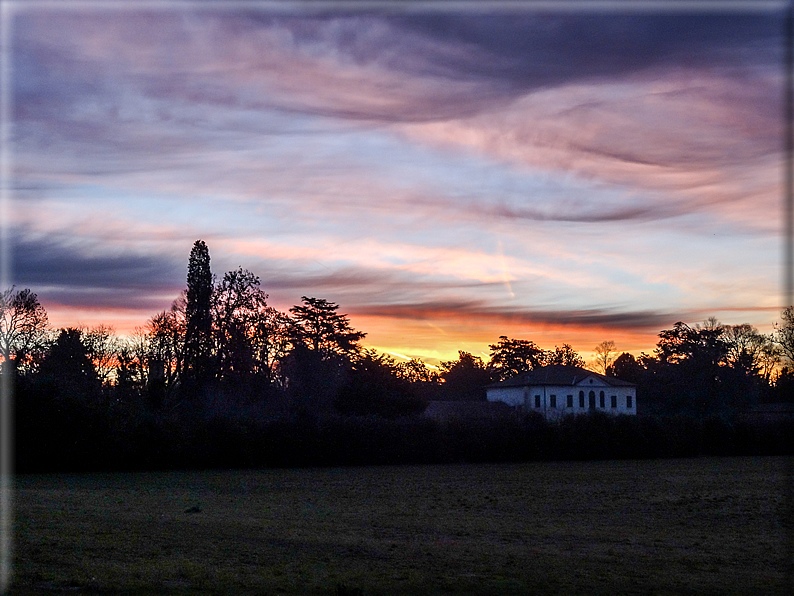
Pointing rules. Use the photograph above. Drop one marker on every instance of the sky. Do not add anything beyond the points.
(446, 174)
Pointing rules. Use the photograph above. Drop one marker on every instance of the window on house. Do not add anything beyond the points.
(614, 400)
(537, 401)
(581, 399)
(570, 401)
(628, 401)
(553, 401)
(601, 399)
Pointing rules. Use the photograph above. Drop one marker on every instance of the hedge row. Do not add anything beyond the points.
(53, 437)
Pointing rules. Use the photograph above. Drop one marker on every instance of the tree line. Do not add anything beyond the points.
(221, 358)
(221, 342)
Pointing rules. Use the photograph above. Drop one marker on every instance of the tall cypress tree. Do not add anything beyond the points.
(198, 316)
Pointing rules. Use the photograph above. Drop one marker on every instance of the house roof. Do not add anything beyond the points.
(557, 374)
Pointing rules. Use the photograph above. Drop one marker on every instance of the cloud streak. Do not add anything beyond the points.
(72, 273)
(580, 173)
(595, 318)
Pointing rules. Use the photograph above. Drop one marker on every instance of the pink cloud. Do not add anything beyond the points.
(707, 143)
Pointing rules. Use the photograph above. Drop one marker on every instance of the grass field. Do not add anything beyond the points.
(694, 526)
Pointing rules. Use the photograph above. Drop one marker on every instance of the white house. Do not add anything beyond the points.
(556, 391)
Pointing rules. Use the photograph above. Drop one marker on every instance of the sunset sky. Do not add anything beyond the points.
(444, 173)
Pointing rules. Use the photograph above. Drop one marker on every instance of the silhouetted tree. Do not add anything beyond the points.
(164, 347)
(416, 371)
(769, 359)
(320, 328)
(23, 326)
(198, 315)
(784, 334)
(103, 347)
(564, 355)
(239, 306)
(625, 367)
(314, 380)
(748, 350)
(129, 374)
(157, 352)
(373, 387)
(68, 368)
(704, 344)
(272, 341)
(784, 386)
(605, 354)
(424, 382)
(703, 371)
(465, 378)
(323, 345)
(510, 357)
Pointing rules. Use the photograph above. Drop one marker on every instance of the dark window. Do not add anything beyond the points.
(581, 399)
(628, 401)
(591, 400)
(537, 401)
(570, 401)
(553, 401)
(614, 399)
(601, 399)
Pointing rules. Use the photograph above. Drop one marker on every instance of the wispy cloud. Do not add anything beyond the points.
(707, 143)
(599, 319)
(71, 270)
(442, 176)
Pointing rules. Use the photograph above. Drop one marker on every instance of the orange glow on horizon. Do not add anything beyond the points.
(122, 320)
(435, 341)
(433, 337)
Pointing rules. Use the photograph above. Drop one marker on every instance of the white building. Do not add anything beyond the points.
(556, 391)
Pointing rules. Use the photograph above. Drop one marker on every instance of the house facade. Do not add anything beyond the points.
(556, 391)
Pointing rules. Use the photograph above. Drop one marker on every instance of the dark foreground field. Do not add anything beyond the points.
(694, 526)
